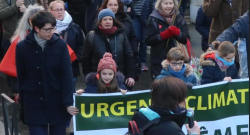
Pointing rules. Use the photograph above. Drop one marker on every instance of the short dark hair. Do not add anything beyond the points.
(40, 18)
(167, 93)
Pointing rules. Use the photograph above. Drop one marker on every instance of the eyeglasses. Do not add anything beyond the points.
(177, 64)
(57, 10)
(48, 30)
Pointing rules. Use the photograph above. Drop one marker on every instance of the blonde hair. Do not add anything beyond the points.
(158, 4)
(23, 24)
(56, 1)
(226, 48)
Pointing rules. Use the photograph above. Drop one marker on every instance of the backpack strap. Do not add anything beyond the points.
(132, 126)
(91, 36)
(147, 125)
(9, 2)
(65, 36)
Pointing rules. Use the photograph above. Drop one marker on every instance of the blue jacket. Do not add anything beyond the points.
(44, 80)
(212, 73)
(239, 29)
(202, 25)
(186, 77)
(92, 82)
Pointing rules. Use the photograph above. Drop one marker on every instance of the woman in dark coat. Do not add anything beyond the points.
(159, 31)
(202, 25)
(70, 32)
(109, 36)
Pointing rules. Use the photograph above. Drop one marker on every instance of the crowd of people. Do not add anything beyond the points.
(109, 39)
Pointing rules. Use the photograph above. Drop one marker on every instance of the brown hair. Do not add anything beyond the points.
(56, 1)
(176, 54)
(113, 86)
(168, 93)
(226, 48)
(105, 2)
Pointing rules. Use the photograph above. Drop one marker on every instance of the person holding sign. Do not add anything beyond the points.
(106, 80)
(174, 66)
(219, 65)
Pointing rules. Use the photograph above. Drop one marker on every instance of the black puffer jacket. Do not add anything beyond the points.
(117, 44)
(75, 39)
(170, 124)
(129, 29)
(158, 51)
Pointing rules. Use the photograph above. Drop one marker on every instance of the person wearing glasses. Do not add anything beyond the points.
(44, 77)
(70, 32)
(174, 66)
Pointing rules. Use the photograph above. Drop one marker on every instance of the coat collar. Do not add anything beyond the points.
(31, 38)
(165, 66)
(206, 62)
(157, 15)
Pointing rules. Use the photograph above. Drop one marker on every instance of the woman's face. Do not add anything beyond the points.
(58, 11)
(176, 65)
(229, 57)
(107, 75)
(113, 5)
(167, 5)
(107, 22)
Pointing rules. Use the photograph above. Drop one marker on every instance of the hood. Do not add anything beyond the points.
(178, 116)
(31, 39)
(91, 78)
(206, 62)
(165, 66)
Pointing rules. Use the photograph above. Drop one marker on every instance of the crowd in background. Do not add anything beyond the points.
(109, 39)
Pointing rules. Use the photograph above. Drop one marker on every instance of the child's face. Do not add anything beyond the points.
(176, 65)
(229, 57)
(107, 75)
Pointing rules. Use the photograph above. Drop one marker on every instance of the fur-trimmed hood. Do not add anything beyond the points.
(206, 62)
(188, 71)
(91, 78)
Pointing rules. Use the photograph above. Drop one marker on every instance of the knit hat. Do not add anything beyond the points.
(105, 12)
(107, 63)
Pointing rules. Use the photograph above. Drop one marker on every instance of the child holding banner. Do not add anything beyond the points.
(219, 65)
(106, 80)
(174, 66)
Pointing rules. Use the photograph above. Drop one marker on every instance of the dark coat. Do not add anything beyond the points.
(92, 82)
(212, 73)
(186, 77)
(117, 44)
(129, 30)
(91, 14)
(170, 124)
(75, 40)
(44, 80)
(202, 25)
(223, 14)
(158, 51)
(238, 29)
(132, 12)
(10, 15)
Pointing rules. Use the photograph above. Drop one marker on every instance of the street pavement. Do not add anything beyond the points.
(143, 84)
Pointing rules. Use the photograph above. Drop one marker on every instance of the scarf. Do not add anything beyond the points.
(108, 32)
(64, 24)
(223, 64)
(177, 74)
(168, 17)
